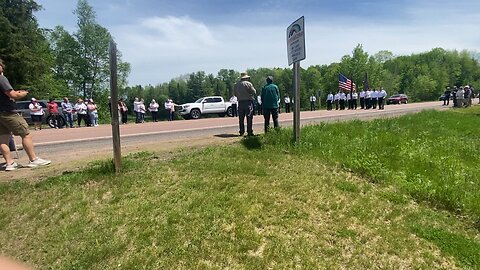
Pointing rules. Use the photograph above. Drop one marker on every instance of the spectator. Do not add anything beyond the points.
(234, 102)
(92, 113)
(36, 113)
(67, 109)
(153, 108)
(12, 122)
(286, 100)
(52, 108)
(123, 111)
(81, 110)
(141, 110)
(136, 103)
(170, 108)
(271, 97)
(313, 100)
(245, 92)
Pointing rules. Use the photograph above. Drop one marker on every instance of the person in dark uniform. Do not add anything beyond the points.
(446, 96)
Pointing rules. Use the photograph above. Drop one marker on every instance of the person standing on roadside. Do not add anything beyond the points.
(67, 110)
(81, 110)
(454, 96)
(313, 100)
(234, 102)
(381, 99)
(123, 109)
(36, 113)
(329, 101)
(12, 122)
(446, 96)
(245, 93)
(92, 113)
(52, 108)
(270, 100)
(153, 108)
(136, 103)
(287, 103)
(460, 94)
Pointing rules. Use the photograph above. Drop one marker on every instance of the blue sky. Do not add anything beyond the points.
(165, 39)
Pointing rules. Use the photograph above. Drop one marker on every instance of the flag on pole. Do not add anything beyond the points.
(365, 82)
(345, 83)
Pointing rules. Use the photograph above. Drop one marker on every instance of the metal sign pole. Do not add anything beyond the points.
(117, 153)
(296, 114)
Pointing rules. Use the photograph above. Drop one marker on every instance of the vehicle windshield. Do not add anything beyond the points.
(395, 96)
(199, 100)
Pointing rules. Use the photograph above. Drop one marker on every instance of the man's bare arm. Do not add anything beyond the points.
(16, 94)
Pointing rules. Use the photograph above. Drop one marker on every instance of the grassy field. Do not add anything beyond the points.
(393, 194)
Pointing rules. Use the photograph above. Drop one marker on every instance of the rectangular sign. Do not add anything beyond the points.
(296, 41)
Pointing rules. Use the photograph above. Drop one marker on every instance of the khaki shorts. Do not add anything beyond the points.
(11, 122)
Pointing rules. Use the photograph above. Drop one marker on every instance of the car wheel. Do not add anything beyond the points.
(230, 112)
(195, 113)
(406, 101)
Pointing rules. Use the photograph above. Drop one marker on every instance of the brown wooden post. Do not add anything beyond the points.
(117, 153)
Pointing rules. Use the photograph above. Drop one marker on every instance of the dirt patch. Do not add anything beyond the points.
(78, 159)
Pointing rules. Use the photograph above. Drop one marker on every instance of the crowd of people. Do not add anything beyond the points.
(368, 99)
(140, 109)
(461, 96)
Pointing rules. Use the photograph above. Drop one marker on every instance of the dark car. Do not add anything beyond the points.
(397, 99)
(22, 108)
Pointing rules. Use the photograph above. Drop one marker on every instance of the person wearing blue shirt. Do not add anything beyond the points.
(270, 101)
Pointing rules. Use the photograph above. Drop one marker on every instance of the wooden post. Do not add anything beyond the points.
(117, 153)
(296, 113)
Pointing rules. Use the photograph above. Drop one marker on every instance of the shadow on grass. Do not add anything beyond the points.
(252, 142)
(226, 135)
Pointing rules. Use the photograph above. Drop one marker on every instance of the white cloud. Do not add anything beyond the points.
(161, 48)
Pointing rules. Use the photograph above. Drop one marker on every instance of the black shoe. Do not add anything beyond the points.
(241, 134)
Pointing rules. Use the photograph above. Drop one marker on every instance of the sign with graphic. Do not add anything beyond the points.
(296, 41)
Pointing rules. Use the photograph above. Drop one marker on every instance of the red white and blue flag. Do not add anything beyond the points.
(345, 83)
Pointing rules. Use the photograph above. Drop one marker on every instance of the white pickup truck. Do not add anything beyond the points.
(206, 105)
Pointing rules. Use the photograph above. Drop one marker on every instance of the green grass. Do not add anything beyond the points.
(262, 204)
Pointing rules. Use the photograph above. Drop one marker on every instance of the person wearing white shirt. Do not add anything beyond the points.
(336, 100)
(343, 100)
(36, 113)
(136, 103)
(259, 105)
(81, 109)
(362, 99)
(234, 102)
(170, 108)
(368, 99)
(354, 100)
(349, 100)
(287, 103)
(153, 108)
(329, 101)
(313, 99)
(381, 99)
(375, 98)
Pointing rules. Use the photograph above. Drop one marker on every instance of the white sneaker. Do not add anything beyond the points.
(38, 162)
(11, 167)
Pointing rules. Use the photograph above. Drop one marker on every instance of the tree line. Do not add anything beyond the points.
(56, 63)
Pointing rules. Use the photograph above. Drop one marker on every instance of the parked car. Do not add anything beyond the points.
(22, 108)
(206, 105)
(397, 99)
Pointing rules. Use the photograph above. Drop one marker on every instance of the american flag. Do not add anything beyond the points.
(345, 83)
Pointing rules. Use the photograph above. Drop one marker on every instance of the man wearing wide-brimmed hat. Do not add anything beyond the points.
(245, 92)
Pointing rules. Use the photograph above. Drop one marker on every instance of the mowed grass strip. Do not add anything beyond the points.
(263, 206)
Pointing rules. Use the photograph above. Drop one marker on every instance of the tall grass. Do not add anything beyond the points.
(433, 155)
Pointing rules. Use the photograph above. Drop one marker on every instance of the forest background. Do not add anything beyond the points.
(53, 63)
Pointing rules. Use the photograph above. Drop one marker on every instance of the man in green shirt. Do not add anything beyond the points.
(270, 101)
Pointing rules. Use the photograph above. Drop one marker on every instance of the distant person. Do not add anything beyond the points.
(234, 102)
(460, 95)
(354, 100)
(259, 105)
(271, 98)
(36, 113)
(245, 92)
(381, 99)
(454, 96)
(67, 110)
(362, 99)
(52, 108)
(12, 122)
(141, 110)
(446, 96)
(343, 100)
(153, 109)
(467, 96)
(81, 110)
(287, 102)
(92, 113)
(329, 101)
(313, 100)
(336, 100)
(170, 109)
(374, 98)
(368, 99)
(136, 103)
(123, 111)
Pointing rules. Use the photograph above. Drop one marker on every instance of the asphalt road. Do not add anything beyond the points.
(53, 140)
